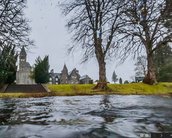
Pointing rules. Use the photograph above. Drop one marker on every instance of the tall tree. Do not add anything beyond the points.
(114, 77)
(94, 25)
(8, 68)
(13, 25)
(41, 70)
(145, 29)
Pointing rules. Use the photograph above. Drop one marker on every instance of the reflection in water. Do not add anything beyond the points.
(85, 117)
(6, 111)
(105, 103)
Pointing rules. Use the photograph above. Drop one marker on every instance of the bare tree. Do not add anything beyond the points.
(94, 25)
(14, 27)
(145, 29)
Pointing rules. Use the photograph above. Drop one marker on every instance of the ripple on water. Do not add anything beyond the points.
(84, 117)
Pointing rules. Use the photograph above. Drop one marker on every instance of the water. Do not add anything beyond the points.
(85, 117)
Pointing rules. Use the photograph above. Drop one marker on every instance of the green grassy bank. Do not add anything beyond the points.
(122, 89)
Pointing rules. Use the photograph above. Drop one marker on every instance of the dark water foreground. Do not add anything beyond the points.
(85, 117)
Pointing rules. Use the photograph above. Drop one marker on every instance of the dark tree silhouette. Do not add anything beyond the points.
(41, 70)
(168, 14)
(8, 68)
(114, 77)
(120, 80)
(163, 62)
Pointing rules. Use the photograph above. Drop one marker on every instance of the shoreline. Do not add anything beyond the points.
(161, 89)
(51, 94)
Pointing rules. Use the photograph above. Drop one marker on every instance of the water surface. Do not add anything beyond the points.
(85, 117)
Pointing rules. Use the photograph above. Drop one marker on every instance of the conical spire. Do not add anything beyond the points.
(23, 52)
(65, 68)
(64, 75)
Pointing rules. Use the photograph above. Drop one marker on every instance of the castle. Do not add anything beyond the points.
(23, 75)
(66, 77)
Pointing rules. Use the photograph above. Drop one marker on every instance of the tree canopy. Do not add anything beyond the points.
(13, 25)
(8, 68)
(163, 63)
(41, 70)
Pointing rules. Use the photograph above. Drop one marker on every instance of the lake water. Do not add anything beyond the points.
(85, 117)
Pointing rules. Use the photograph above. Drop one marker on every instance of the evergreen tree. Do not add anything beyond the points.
(162, 56)
(163, 63)
(114, 77)
(168, 14)
(165, 73)
(120, 80)
(8, 68)
(41, 70)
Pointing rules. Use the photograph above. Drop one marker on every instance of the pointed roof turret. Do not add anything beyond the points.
(64, 75)
(23, 52)
(65, 68)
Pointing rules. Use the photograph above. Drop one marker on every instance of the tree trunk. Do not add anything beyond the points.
(150, 77)
(102, 70)
(102, 84)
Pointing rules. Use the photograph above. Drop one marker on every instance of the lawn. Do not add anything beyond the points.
(87, 89)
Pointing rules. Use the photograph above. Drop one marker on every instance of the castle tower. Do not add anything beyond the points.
(64, 75)
(22, 58)
(23, 75)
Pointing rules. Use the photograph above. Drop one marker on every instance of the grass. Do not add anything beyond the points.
(142, 89)
(86, 89)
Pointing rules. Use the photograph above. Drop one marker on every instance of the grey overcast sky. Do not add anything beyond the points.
(52, 38)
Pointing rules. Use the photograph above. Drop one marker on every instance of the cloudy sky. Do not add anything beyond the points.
(52, 38)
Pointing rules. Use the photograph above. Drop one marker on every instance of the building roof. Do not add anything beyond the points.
(74, 71)
(55, 75)
(84, 77)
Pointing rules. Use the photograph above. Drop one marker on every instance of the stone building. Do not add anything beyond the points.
(85, 80)
(23, 75)
(54, 77)
(66, 77)
(73, 77)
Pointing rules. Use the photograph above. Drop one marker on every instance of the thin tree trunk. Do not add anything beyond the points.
(150, 77)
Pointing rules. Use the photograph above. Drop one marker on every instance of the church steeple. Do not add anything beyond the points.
(23, 53)
(22, 57)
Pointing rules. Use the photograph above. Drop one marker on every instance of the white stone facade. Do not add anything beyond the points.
(23, 75)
